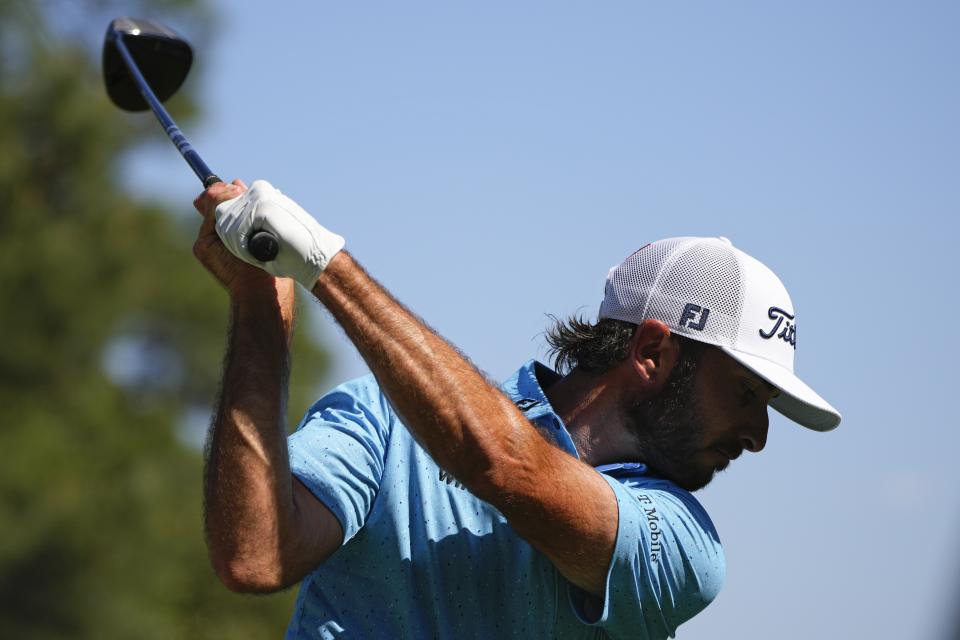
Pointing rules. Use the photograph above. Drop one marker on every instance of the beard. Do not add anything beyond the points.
(669, 429)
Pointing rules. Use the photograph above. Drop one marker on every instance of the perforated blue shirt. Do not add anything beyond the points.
(423, 558)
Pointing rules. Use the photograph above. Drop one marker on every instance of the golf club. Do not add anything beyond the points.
(144, 63)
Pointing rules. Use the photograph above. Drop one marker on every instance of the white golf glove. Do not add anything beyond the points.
(306, 247)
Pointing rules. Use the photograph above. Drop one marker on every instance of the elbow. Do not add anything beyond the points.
(249, 577)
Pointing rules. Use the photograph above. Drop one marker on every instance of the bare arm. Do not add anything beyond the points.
(474, 431)
(264, 529)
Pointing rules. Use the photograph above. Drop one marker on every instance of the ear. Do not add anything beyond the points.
(653, 355)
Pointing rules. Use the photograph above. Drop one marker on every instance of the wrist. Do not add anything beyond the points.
(254, 287)
(265, 299)
(334, 274)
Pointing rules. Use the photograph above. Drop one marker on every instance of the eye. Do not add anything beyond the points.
(747, 393)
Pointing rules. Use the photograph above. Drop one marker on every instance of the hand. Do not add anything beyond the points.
(305, 246)
(232, 273)
(238, 277)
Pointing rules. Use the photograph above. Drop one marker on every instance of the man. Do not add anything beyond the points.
(423, 502)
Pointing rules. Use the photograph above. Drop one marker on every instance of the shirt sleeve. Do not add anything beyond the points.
(338, 450)
(667, 563)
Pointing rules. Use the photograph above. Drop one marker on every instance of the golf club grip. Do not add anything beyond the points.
(263, 245)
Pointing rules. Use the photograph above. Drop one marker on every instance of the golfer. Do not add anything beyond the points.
(422, 501)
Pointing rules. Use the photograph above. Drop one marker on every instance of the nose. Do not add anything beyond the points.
(753, 438)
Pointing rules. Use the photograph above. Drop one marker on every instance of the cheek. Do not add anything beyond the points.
(717, 409)
(711, 421)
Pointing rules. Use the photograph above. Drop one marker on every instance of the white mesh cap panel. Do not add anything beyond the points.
(629, 283)
(693, 285)
(706, 274)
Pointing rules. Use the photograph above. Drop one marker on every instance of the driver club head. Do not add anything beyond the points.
(161, 54)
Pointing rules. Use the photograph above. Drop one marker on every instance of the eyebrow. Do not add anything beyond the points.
(754, 378)
(774, 391)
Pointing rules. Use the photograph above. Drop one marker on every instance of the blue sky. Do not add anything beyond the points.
(488, 162)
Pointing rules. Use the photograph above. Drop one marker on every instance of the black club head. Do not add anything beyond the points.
(161, 54)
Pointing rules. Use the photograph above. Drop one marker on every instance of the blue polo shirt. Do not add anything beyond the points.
(423, 558)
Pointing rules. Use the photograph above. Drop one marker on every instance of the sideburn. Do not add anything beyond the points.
(668, 427)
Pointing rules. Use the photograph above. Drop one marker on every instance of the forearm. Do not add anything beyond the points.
(471, 429)
(248, 486)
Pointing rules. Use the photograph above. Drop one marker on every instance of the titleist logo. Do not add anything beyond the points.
(784, 323)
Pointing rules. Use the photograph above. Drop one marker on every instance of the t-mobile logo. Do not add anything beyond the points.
(694, 317)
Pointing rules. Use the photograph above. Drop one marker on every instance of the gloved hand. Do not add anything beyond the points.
(306, 247)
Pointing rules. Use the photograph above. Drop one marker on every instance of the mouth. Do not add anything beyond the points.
(730, 454)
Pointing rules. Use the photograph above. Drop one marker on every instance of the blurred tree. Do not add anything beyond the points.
(113, 337)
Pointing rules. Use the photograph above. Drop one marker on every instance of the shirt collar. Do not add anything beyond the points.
(525, 388)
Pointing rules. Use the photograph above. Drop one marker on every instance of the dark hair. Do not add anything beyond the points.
(598, 346)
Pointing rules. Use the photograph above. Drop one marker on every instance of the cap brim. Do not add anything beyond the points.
(796, 400)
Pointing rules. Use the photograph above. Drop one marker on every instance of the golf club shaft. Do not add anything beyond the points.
(263, 245)
(207, 177)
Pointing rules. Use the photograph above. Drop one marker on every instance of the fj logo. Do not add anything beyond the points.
(694, 317)
(784, 323)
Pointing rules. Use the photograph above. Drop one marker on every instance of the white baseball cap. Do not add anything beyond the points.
(708, 290)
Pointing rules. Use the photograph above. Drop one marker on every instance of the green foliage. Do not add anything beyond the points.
(112, 335)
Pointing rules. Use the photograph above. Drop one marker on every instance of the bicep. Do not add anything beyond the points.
(320, 530)
(317, 534)
(338, 451)
(336, 458)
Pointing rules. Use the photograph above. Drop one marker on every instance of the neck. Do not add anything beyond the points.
(590, 407)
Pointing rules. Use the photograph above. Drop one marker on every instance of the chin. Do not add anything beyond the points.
(699, 483)
(692, 479)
